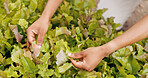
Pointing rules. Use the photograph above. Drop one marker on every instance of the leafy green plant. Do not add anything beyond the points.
(75, 26)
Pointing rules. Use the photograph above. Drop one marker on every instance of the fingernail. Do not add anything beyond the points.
(69, 54)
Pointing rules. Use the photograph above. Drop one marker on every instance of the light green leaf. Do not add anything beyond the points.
(62, 30)
(11, 72)
(23, 23)
(44, 71)
(64, 67)
(5, 22)
(139, 49)
(28, 65)
(130, 76)
(49, 72)
(16, 55)
(145, 69)
(7, 61)
(33, 5)
(45, 46)
(60, 45)
(45, 58)
(3, 74)
(86, 74)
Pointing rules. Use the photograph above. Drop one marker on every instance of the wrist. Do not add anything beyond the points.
(109, 47)
(46, 16)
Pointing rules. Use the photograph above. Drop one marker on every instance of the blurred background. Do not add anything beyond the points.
(126, 12)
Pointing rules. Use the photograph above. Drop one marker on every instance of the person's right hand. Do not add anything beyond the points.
(89, 58)
(39, 27)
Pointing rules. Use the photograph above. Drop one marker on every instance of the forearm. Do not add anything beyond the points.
(136, 33)
(50, 8)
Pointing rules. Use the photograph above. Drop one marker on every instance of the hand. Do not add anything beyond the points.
(89, 58)
(39, 28)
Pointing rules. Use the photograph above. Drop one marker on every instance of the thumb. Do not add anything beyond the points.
(40, 39)
(76, 55)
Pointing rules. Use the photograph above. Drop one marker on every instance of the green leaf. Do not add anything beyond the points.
(60, 45)
(139, 49)
(7, 61)
(134, 64)
(16, 55)
(15, 6)
(56, 19)
(45, 58)
(33, 5)
(8, 34)
(78, 31)
(145, 69)
(99, 32)
(28, 65)
(62, 30)
(85, 74)
(1, 57)
(3, 74)
(92, 27)
(8, 46)
(64, 67)
(65, 8)
(79, 4)
(18, 15)
(49, 72)
(11, 72)
(122, 71)
(23, 23)
(45, 46)
(5, 22)
(1, 17)
(44, 71)
(91, 4)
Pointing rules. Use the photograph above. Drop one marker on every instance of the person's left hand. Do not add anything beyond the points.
(89, 58)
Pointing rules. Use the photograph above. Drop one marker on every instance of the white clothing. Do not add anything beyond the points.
(120, 9)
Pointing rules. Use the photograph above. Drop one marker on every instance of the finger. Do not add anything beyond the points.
(30, 36)
(40, 39)
(77, 64)
(27, 44)
(76, 55)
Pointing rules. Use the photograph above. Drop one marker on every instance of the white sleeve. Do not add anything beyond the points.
(120, 9)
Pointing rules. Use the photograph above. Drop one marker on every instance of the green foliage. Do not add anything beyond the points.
(75, 26)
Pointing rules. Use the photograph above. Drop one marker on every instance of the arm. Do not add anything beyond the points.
(91, 57)
(50, 8)
(40, 26)
(136, 33)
